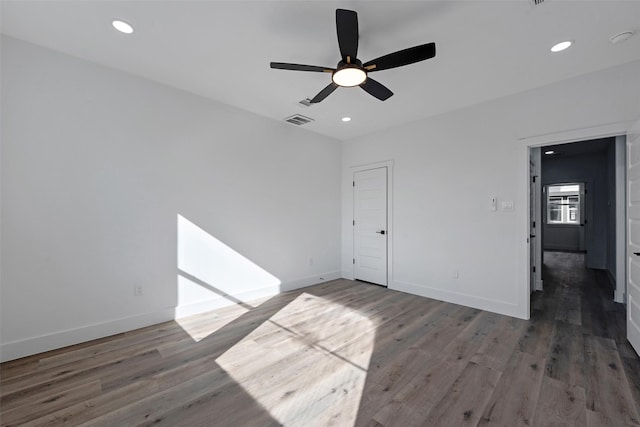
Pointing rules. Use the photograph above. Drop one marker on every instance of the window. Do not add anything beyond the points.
(563, 203)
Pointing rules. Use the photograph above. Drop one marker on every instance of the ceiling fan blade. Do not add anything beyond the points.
(347, 27)
(300, 67)
(376, 89)
(324, 93)
(402, 57)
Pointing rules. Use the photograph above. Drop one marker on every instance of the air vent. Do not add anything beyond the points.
(536, 2)
(298, 119)
(306, 102)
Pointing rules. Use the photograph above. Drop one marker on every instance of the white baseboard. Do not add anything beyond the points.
(21, 348)
(309, 281)
(35, 345)
(223, 301)
(494, 306)
(347, 274)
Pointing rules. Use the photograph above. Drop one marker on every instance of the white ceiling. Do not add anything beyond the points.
(222, 49)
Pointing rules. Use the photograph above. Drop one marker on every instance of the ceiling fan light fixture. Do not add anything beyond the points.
(349, 76)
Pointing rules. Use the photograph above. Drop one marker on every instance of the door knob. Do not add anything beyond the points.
(636, 253)
(381, 232)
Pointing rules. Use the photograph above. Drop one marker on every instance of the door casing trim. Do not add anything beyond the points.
(526, 142)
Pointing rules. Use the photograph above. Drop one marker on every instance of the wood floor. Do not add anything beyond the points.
(345, 353)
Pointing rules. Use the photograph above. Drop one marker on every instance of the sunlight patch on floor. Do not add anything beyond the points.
(200, 326)
(307, 364)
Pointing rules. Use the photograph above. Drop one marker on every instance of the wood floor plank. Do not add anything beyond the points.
(388, 375)
(565, 361)
(45, 402)
(460, 406)
(560, 404)
(427, 387)
(498, 347)
(537, 336)
(89, 409)
(19, 367)
(516, 395)
(632, 371)
(607, 388)
(595, 419)
(569, 309)
(140, 410)
(71, 378)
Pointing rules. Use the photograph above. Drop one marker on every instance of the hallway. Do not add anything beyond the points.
(577, 303)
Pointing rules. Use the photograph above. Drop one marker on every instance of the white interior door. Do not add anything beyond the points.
(370, 225)
(633, 237)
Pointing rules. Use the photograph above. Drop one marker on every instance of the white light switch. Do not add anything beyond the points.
(494, 203)
(507, 206)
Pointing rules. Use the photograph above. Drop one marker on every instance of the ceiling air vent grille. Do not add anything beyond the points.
(536, 2)
(298, 119)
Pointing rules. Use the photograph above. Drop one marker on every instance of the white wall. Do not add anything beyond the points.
(97, 167)
(447, 168)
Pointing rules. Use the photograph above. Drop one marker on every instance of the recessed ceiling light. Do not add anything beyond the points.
(619, 38)
(561, 46)
(549, 152)
(122, 26)
(346, 119)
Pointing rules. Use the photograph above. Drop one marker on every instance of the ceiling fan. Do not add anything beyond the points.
(350, 71)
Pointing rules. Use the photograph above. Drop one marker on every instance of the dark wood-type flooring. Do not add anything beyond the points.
(345, 353)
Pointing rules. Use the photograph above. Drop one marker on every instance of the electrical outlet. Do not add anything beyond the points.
(138, 290)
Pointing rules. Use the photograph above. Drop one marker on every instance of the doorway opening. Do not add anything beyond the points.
(583, 211)
(580, 207)
(581, 238)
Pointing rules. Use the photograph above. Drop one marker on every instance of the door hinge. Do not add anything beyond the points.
(534, 224)
(354, 183)
(354, 222)
(534, 268)
(534, 178)
(354, 260)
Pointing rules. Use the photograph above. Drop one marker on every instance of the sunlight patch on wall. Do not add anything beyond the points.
(213, 275)
(313, 350)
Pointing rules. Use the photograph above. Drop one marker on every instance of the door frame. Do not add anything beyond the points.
(535, 157)
(348, 270)
(525, 143)
(620, 294)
